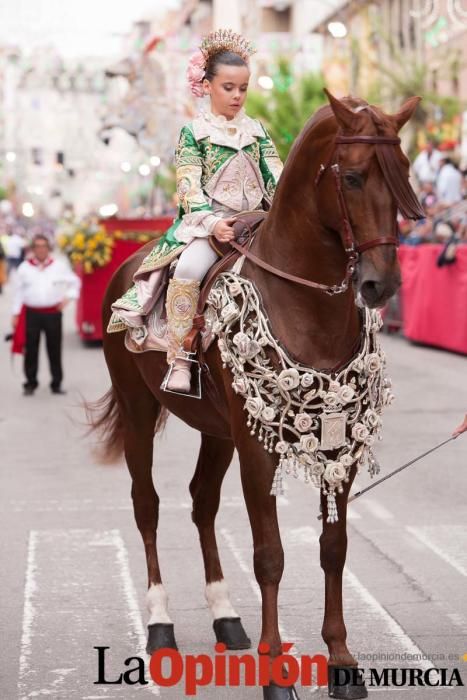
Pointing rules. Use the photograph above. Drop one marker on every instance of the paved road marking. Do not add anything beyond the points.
(28, 611)
(352, 514)
(375, 508)
(238, 556)
(447, 541)
(61, 566)
(285, 634)
(396, 630)
(85, 504)
(308, 535)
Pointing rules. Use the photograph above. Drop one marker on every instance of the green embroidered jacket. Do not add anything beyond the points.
(198, 162)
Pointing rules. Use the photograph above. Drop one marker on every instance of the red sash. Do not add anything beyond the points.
(19, 336)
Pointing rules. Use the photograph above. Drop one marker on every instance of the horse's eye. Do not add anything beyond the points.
(353, 181)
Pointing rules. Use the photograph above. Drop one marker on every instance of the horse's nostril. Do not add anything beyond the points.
(372, 286)
(372, 291)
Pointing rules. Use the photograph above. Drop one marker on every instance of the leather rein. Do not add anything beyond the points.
(350, 244)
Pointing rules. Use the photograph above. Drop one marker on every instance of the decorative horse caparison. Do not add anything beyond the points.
(306, 233)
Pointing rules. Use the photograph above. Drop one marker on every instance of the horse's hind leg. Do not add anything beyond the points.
(333, 549)
(205, 488)
(139, 414)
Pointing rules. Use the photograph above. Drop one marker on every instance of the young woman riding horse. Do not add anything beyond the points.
(329, 240)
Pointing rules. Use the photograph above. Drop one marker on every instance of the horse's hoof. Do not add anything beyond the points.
(160, 636)
(346, 683)
(279, 692)
(229, 631)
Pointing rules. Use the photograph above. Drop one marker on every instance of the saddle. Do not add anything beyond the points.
(246, 226)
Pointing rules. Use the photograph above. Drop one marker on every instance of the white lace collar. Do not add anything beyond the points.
(235, 133)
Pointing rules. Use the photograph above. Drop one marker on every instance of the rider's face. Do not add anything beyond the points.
(228, 90)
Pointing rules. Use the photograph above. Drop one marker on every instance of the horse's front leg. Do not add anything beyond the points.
(333, 550)
(257, 471)
(205, 488)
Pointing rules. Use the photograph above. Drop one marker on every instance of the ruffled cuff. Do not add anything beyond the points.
(210, 223)
(198, 224)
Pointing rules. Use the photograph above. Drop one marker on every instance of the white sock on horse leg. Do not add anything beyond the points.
(195, 260)
(217, 595)
(156, 601)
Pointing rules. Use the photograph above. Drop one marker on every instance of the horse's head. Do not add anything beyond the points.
(368, 174)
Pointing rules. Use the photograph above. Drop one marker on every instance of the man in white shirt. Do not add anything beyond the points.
(43, 288)
(449, 184)
(426, 164)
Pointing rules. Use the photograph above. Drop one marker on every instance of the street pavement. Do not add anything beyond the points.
(73, 568)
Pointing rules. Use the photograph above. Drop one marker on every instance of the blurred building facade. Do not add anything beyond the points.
(391, 37)
(89, 132)
(52, 154)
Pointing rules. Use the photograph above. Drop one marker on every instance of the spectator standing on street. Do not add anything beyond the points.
(426, 164)
(3, 275)
(449, 183)
(15, 245)
(43, 288)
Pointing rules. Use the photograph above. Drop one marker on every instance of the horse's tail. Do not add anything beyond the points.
(104, 418)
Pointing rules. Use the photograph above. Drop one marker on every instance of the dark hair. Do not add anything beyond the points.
(224, 58)
(41, 237)
(449, 161)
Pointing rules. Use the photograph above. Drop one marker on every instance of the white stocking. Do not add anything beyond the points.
(195, 260)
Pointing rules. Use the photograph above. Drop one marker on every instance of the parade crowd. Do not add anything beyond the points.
(443, 194)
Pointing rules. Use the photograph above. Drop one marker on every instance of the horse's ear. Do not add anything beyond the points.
(346, 118)
(405, 112)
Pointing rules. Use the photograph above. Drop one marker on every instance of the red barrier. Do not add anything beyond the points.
(434, 299)
(93, 286)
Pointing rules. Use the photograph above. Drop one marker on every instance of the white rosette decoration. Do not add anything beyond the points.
(285, 406)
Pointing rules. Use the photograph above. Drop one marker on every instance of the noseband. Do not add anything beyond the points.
(350, 244)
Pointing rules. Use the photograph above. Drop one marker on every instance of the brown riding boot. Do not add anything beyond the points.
(181, 304)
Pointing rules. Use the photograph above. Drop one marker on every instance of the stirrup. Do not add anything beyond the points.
(195, 388)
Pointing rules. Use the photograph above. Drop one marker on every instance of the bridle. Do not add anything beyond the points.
(348, 238)
(350, 244)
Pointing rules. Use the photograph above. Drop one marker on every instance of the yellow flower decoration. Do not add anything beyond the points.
(87, 244)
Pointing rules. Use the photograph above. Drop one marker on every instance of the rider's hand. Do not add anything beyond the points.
(14, 321)
(223, 232)
(462, 428)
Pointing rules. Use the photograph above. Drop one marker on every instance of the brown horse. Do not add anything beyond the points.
(333, 217)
